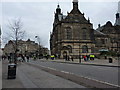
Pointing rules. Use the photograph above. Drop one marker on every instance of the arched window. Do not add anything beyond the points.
(64, 48)
(68, 33)
(84, 49)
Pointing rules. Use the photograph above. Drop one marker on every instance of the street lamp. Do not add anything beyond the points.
(79, 53)
(16, 44)
(38, 39)
(79, 49)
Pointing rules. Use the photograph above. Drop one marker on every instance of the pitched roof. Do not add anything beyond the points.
(76, 16)
(96, 32)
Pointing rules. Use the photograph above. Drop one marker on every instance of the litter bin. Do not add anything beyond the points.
(11, 71)
(110, 60)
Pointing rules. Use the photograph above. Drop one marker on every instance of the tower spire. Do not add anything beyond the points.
(119, 7)
(75, 4)
(117, 22)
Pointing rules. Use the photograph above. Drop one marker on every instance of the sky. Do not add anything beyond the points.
(37, 15)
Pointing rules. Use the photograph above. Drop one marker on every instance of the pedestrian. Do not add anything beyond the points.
(90, 57)
(72, 58)
(23, 58)
(87, 56)
(105, 56)
(68, 58)
(46, 56)
(3, 57)
(93, 56)
(84, 57)
(27, 58)
(52, 57)
(34, 57)
(9, 58)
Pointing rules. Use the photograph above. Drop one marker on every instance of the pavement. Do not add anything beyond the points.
(9, 83)
(97, 62)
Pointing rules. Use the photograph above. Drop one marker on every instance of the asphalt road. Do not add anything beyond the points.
(104, 74)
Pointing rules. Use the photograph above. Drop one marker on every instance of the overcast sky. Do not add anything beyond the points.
(38, 15)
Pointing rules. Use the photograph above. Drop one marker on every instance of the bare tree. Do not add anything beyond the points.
(16, 34)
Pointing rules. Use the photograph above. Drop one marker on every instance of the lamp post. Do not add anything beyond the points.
(38, 39)
(79, 49)
(79, 53)
(16, 44)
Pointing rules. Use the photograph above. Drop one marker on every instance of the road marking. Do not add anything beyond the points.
(52, 68)
(87, 78)
(101, 81)
(64, 72)
(47, 67)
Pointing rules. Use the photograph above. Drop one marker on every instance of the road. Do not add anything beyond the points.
(107, 75)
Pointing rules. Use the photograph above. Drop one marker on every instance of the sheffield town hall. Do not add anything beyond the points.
(73, 34)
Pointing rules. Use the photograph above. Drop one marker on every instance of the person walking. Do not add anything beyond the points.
(52, 57)
(87, 56)
(34, 57)
(9, 58)
(27, 58)
(93, 56)
(84, 57)
(72, 58)
(68, 58)
(23, 58)
(46, 56)
(90, 57)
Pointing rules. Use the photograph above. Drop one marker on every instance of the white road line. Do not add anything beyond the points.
(101, 81)
(52, 68)
(65, 72)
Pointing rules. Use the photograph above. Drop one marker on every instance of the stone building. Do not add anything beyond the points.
(112, 33)
(24, 47)
(73, 35)
(111, 41)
